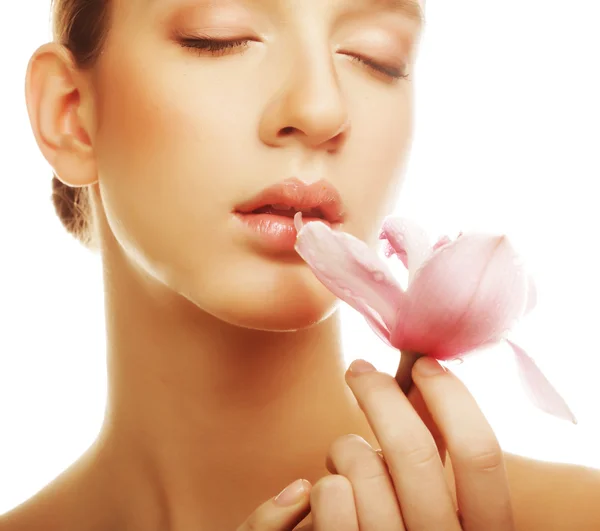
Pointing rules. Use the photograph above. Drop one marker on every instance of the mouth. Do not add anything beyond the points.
(270, 214)
(287, 211)
(318, 201)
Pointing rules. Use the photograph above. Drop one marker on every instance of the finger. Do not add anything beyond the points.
(449, 481)
(481, 480)
(283, 512)
(410, 451)
(416, 399)
(332, 505)
(375, 499)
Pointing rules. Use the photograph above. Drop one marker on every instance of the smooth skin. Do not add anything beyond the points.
(224, 363)
(407, 489)
(414, 495)
(404, 486)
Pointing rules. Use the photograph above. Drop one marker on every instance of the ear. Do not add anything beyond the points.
(60, 112)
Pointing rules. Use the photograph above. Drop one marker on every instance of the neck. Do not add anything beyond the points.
(199, 409)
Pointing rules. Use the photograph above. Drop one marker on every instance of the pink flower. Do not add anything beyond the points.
(462, 295)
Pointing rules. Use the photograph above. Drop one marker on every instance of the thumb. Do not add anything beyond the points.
(283, 512)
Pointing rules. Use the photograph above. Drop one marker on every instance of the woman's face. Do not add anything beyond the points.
(186, 135)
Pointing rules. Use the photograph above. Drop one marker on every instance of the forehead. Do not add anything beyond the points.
(411, 9)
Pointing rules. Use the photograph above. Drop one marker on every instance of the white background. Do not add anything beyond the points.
(507, 140)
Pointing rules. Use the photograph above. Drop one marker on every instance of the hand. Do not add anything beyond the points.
(407, 491)
(283, 512)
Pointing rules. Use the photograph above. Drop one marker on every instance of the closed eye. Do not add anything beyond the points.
(217, 47)
(214, 46)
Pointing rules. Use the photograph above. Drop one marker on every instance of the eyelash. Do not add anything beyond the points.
(220, 47)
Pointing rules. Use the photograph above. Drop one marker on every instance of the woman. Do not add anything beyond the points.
(183, 135)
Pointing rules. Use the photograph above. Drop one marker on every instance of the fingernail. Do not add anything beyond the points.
(292, 493)
(429, 367)
(360, 366)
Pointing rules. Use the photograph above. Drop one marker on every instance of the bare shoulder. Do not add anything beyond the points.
(73, 501)
(550, 496)
(33, 513)
(53, 509)
(553, 496)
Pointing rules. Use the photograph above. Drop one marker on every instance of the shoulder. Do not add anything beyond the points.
(73, 501)
(31, 514)
(50, 509)
(549, 496)
(553, 496)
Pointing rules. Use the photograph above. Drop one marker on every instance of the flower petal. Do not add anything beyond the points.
(496, 306)
(409, 242)
(353, 272)
(539, 390)
(443, 240)
(531, 295)
(465, 295)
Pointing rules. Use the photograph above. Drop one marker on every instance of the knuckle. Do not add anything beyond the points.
(420, 456)
(374, 474)
(486, 458)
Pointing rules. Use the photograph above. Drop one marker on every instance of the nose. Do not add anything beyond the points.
(310, 110)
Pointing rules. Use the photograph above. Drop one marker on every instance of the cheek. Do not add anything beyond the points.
(381, 146)
(154, 138)
(164, 155)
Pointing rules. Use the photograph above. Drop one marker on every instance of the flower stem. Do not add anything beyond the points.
(404, 373)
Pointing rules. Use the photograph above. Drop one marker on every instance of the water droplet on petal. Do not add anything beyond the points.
(378, 276)
(347, 292)
(369, 267)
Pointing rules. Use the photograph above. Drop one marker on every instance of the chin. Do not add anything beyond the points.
(275, 317)
(287, 299)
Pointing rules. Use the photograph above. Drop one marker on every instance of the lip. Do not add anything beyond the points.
(299, 196)
(319, 201)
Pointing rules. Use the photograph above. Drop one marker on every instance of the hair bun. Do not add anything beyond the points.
(72, 207)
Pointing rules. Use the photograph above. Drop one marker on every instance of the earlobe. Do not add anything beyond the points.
(57, 116)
